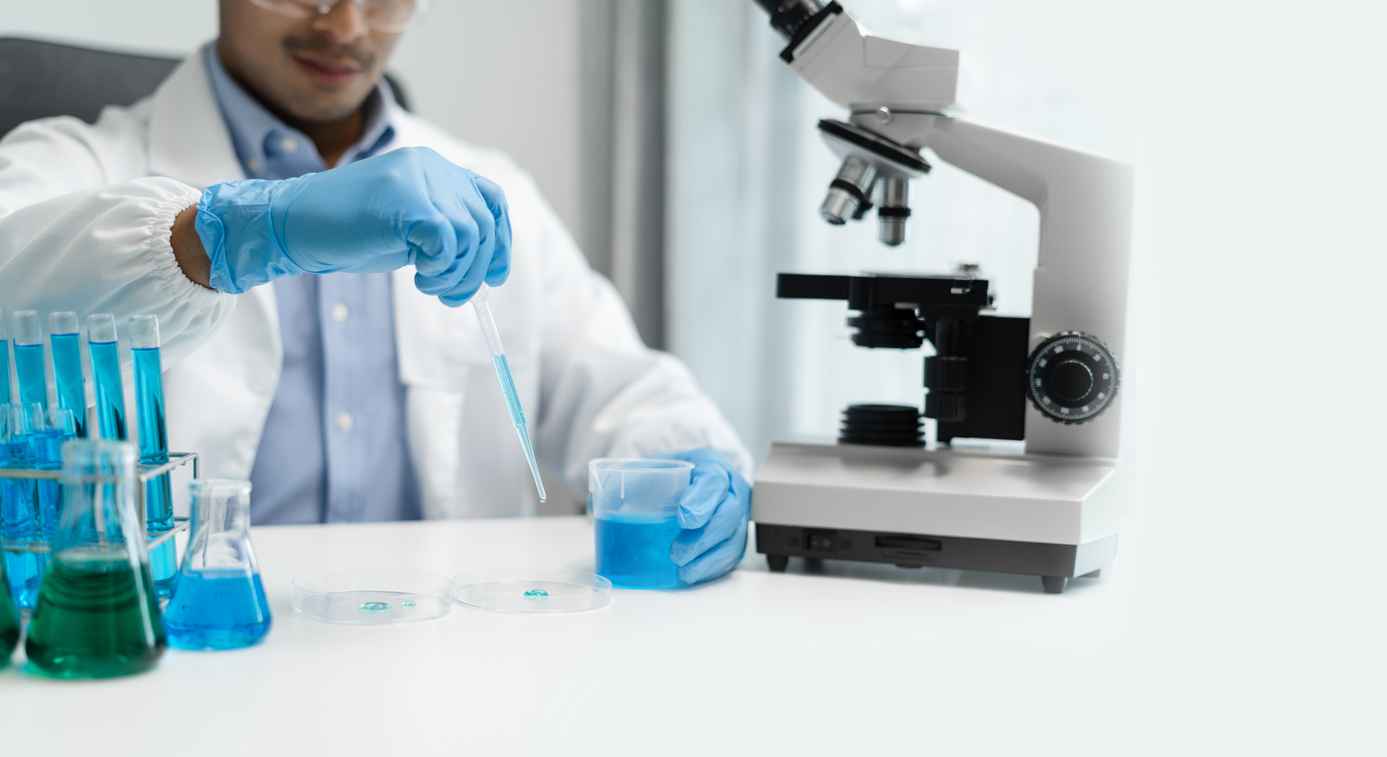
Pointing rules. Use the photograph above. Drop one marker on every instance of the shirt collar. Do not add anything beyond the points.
(259, 137)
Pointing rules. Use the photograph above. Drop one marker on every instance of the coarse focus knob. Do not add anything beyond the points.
(1072, 377)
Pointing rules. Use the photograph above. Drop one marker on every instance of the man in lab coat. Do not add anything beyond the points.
(294, 230)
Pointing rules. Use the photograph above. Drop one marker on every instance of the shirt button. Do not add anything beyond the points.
(289, 145)
(255, 166)
(340, 313)
(344, 421)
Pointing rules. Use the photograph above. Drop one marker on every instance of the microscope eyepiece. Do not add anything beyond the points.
(789, 16)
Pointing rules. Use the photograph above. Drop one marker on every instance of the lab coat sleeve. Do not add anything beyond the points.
(603, 392)
(77, 234)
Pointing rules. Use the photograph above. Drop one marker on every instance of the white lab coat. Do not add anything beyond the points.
(85, 213)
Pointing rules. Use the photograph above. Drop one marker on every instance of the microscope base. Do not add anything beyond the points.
(1055, 564)
(1049, 516)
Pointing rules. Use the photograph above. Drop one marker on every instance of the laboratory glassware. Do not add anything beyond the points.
(64, 332)
(21, 513)
(49, 432)
(371, 597)
(9, 621)
(219, 602)
(29, 358)
(563, 593)
(6, 393)
(97, 614)
(482, 310)
(636, 503)
(154, 446)
(109, 388)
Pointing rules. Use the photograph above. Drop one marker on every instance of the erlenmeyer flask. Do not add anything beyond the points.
(218, 600)
(97, 615)
(9, 620)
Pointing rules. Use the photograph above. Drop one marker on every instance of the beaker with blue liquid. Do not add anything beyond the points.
(636, 506)
(219, 601)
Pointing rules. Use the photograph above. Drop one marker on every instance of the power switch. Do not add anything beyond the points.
(820, 541)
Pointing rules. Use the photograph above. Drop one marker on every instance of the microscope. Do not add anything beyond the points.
(880, 493)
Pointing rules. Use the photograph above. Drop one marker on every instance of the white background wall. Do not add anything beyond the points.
(513, 75)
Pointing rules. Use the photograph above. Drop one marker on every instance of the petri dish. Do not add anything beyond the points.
(372, 600)
(561, 594)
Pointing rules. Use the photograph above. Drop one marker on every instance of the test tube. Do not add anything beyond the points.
(29, 358)
(109, 388)
(64, 333)
(154, 446)
(20, 508)
(6, 393)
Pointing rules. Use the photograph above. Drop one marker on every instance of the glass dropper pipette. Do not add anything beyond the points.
(503, 376)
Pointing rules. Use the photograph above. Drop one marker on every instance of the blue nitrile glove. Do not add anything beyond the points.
(713, 514)
(409, 206)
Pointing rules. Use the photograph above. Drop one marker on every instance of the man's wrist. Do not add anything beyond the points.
(188, 250)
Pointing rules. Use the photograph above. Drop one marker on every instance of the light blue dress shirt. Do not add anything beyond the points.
(333, 448)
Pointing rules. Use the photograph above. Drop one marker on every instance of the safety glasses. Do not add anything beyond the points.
(389, 16)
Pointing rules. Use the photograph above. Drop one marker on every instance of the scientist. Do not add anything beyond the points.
(301, 239)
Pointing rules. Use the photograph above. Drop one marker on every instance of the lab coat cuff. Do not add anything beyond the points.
(158, 242)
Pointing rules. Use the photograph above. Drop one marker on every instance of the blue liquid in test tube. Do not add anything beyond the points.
(20, 522)
(154, 447)
(109, 388)
(29, 359)
(5, 391)
(64, 331)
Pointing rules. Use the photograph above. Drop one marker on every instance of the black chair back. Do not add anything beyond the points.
(40, 79)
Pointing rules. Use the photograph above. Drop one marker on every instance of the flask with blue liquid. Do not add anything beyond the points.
(219, 601)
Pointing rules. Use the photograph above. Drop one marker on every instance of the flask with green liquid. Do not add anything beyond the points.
(97, 614)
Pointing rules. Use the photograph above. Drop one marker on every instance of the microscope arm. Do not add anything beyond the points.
(905, 94)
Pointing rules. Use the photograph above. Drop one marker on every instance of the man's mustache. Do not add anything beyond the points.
(326, 48)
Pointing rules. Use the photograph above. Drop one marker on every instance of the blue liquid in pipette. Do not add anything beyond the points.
(217, 609)
(5, 385)
(517, 414)
(110, 392)
(67, 374)
(154, 450)
(633, 551)
(33, 384)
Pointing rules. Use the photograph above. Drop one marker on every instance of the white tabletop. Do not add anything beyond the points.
(853, 660)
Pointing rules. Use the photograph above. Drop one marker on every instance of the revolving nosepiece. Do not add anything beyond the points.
(850, 192)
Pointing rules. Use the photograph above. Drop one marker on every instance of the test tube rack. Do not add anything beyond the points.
(147, 473)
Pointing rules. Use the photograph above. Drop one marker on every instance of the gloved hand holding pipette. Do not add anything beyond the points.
(713, 515)
(406, 207)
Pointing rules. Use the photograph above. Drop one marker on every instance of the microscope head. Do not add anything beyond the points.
(875, 170)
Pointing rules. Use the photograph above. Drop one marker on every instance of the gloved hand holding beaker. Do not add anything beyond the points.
(406, 207)
(713, 514)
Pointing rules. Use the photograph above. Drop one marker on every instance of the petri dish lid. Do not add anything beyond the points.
(372, 600)
(558, 594)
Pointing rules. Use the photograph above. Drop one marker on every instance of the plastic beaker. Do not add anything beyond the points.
(218, 600)
(97, 615)
(636, 503)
